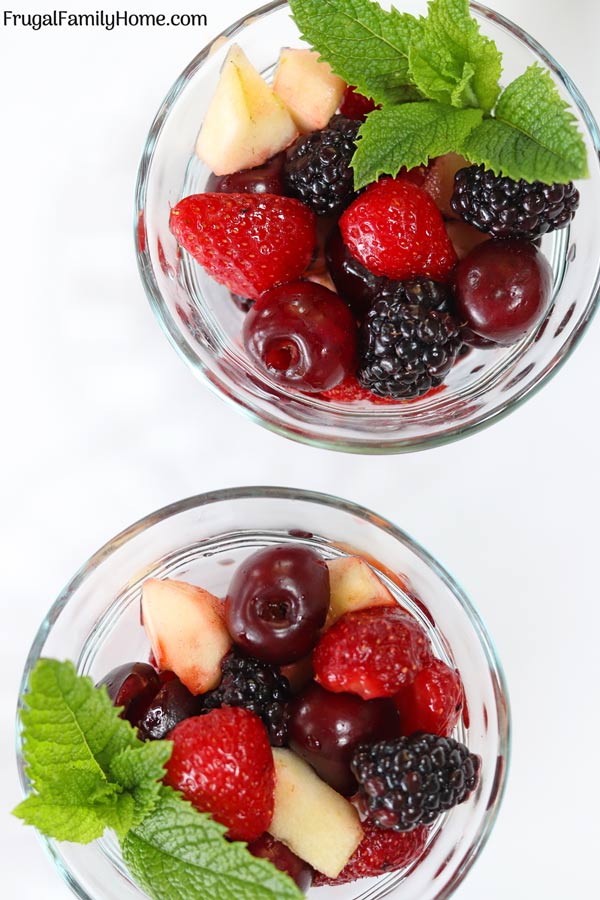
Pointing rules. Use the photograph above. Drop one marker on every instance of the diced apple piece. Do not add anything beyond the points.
(246, 123)
(186, 628)
(439, 183)
(308, 87)
(354, 585)
(464, 237)
(314, 821)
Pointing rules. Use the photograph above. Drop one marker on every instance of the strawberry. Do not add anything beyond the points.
(355, 105)
(248, 242)
(222, 763)
(433, 702)
(379, 852)
(373, 652)
(395, 229)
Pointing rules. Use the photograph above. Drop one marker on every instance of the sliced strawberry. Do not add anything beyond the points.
(433, 702)
(248, 242)
(223, 764)
(355, 105)
(379, 852)
(395, 229)
(373, 652)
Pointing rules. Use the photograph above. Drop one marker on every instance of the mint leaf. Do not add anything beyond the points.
(364, 44)
(138, 770)
(179, 852)
(532, 135)
(408, 135)
(87, 768)
(453, 62)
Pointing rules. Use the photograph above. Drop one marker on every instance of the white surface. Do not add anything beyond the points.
(103, 423)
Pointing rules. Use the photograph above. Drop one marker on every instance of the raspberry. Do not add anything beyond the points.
(317, 167)
(412, 780)
(505, 208)
(248, 242)
(355, 105)
(433, 702)
(222, 763)
(257, 686)
(373, 652)
(405, 348)
(379, 852)
(395, 229)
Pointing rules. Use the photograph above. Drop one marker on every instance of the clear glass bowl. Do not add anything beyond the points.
(95, 622)
(203, 324)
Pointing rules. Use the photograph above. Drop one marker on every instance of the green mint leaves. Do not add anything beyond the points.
(532, 134)
(194, 860)
(90, 772)
(438, 81)
(407, 135)
(72, 736)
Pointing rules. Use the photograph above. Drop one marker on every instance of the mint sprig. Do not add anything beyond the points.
(526, 131)
(89, 772)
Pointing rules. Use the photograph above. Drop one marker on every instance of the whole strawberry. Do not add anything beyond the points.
(248, 242)
(373, 652)
(222, 763)
(395, 229)
(433, 702)
(379, 852)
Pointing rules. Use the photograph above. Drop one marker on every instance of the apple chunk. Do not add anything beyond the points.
(246, 123)
(314, 821)
(308, 87)
(354, 585)
(186, 628)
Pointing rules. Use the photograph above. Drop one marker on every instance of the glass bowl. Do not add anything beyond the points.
(95, 623)
(203, 324)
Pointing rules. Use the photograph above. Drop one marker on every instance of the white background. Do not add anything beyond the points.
(103, 423)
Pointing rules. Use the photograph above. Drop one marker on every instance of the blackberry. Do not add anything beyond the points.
(317, 167)
(257, 686)
(422, 292)
(412, 780)
(407, 347)
(505, 208)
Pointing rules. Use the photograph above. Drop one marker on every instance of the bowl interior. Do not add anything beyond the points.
(204, 325)
(96, 623)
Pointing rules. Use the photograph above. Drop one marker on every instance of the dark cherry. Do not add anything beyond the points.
(266, 847)
(131, 686)
(302, 335)
(355, 284)
(265, 179)
(502, 288)
(277, 603)
(325, 729)
(172, 704)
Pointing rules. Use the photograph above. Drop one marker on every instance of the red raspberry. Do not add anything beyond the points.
(248, 242)
(433, 702)
(223, 764)
(379, 852)
(355, 105)
(373, 652)
(395, 229)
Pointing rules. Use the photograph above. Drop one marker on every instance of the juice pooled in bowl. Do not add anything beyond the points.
(375, 234)
(306, 715)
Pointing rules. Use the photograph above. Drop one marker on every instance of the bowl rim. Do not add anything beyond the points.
(197, 501)
(247, 404)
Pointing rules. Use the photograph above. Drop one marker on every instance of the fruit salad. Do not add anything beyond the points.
(306, 714)
(376, 223)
